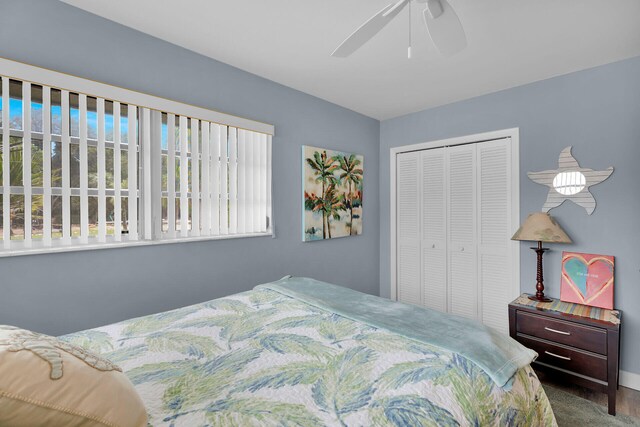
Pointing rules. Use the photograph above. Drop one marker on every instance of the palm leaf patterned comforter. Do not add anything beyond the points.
(260, 358)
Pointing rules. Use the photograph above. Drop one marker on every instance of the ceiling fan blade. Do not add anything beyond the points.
(369, 29)
(444, 27)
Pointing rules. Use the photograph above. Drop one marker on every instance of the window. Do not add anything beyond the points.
(98, 166)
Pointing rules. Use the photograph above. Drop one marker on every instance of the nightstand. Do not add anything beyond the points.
(577, 343)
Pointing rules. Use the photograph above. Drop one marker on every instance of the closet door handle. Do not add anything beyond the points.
(557, 331)
(557, 355)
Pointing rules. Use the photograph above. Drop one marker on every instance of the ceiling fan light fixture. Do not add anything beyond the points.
(435, 8)
(445, 30)
(395, 8)
(443, 25)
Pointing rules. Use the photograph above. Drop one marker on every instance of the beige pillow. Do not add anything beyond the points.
(48, 382)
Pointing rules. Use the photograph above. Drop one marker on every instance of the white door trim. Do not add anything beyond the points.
(514, 134)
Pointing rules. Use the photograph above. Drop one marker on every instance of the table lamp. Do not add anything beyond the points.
(541, 227)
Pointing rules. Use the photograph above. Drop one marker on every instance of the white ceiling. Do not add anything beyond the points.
(511, 42)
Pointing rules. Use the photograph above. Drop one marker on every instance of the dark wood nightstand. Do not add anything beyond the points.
(576, 343)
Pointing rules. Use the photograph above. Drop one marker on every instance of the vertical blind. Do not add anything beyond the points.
(85, 170)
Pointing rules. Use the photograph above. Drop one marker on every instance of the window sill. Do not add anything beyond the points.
(112, 245)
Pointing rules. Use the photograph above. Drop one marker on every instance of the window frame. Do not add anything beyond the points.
(149, 108)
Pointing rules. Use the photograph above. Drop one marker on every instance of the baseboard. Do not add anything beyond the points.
(629, 379)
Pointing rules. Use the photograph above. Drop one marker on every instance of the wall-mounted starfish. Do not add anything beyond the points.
(570, 182)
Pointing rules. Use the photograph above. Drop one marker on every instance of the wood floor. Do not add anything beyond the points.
(627, 399)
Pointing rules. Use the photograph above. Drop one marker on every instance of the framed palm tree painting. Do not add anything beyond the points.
(332, 193)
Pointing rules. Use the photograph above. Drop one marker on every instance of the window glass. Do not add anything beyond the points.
(74, 115)
(75, 216)
(1, 103)
(110, 216)
(15, 105)
(108, 121)
(36, 162)
(124, 169)
(92, 170)
(56, 164)
(108, 167)
(37, 216)
(15, 161)
(56, 112)
(36, 108)
(56, 217)
(17, 217)
(74, 165)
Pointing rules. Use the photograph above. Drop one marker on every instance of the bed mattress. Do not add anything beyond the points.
(261, 358)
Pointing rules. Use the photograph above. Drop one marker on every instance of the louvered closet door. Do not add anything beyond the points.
(494, 231)
(434, 229)
(461, 173)
(408, 228)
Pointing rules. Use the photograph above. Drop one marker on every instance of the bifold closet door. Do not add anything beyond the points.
(408, 228)
(494, 231)
(462, 251)
(434, 229)
(455, 215)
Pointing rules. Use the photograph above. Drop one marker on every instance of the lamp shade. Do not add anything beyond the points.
(541, 227)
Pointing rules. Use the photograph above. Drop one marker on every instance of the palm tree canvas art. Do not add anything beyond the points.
(332, 193)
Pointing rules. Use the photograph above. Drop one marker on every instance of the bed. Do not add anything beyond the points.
(269, 358)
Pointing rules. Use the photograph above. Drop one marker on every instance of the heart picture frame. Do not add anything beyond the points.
(587, 279)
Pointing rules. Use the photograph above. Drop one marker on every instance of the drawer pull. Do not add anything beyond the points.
(557, 331)
(556, 355)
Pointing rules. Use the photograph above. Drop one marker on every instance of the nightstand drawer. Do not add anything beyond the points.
(579, 344)
(569, 333)
(573, 360)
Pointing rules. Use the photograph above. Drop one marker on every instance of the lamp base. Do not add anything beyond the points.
(541, 299)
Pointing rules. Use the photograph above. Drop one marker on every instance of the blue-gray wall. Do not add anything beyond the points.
(66, 292)
(597, 111)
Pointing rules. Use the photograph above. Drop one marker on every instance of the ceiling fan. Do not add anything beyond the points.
(441, 20)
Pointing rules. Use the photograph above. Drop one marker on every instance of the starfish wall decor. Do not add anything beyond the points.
(570, 182)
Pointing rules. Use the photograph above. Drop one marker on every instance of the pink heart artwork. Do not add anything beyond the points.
(587, 279)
